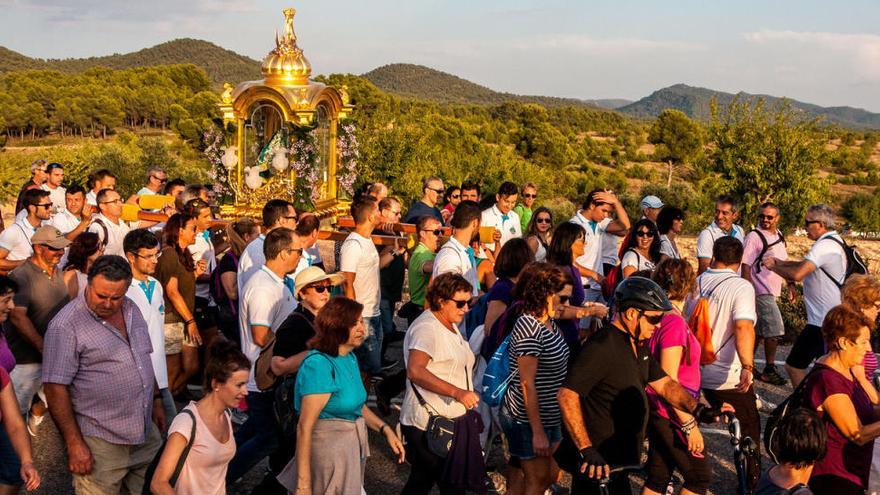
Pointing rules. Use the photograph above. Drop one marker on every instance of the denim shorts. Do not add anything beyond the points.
(10, 466)
(519, 436)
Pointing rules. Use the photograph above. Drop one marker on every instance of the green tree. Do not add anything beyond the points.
(764, 155)
(677, 138)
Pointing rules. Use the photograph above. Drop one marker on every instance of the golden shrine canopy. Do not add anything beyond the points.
(285, 129)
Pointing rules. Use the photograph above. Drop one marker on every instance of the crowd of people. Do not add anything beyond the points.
(175, 356)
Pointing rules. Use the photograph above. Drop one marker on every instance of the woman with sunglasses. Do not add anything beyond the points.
(642, 252)
(675, 438)
(539, 232)
(566, 246)
(530, 415)
(177, 272)
(84, 250)
(439, 366)
(670, 221)
(451, 198)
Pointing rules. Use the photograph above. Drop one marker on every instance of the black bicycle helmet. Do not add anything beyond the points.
(641, 293)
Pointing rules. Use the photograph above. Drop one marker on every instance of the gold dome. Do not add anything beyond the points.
(286, 64)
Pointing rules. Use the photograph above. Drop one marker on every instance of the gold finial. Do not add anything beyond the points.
(286, 64)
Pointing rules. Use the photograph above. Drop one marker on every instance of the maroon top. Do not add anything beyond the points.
(844, 458)
(4, 381)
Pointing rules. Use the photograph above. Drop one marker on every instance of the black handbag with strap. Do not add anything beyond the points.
(151, 469)
(440, 430)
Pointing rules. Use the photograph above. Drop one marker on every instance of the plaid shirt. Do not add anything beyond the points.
(110, 381)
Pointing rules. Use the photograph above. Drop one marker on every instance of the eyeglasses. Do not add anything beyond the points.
(293, 217)
(564, 299)
(653, 319)
(808, 222)
(147, 257)
(320, 289)
(530, 196)
(44, 205)
(161, 181)
(543, 220)
(438, 191)
(436, 232)
(643, 233)
(117, 200)
(766, 217)
(294, 250)
(461, 303)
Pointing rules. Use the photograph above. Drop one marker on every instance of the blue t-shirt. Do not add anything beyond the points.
(419, 209)
(338, 376)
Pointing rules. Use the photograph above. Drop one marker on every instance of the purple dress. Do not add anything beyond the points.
(569, 327)
(7, 360)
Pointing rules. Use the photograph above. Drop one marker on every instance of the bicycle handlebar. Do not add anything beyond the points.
(733, 425)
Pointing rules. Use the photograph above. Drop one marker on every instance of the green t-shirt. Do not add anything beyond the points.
(338, 376)
(525, 215)
(418, 280)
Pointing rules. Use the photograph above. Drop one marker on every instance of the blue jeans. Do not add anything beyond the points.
(386, 316)
(10, 466)
(369, 353)
(170, 409)
(257, 437)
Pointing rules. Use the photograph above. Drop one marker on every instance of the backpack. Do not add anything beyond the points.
(783, 410)
(855, 265)
(615, 276)
(765, 246)
(475, 317)
(151, 469)
(285, 414)
(216, 288)
(500, 329)
(106, 237)
(497, 376)
(264, 377)
(698, 321)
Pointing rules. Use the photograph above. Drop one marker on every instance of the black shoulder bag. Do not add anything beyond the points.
(440, 430)
(151, 469)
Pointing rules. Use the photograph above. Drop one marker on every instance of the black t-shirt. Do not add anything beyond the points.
(228, 263)
(391, 277)
(611, 382)
(420, 209)
(294, 333)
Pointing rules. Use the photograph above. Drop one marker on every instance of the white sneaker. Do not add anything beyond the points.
(33, 421)
(764, 405)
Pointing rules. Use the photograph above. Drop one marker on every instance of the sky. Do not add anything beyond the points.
(821, 52)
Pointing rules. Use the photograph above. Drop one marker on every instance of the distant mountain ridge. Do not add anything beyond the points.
(420, 82)
(220, 64)
(695, 102)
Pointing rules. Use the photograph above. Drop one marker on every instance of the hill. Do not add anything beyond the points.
(695, 102)
(424, 83)
(220, 64)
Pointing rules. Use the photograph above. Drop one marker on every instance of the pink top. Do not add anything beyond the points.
(673, 331)
(204, 472)
(765, 281)
(869, 362)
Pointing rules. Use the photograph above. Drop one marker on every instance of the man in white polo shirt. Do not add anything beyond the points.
(732, 319)
(142, 251)
(726, 213)
(277, 213)
(595, 218)
(457, 255)
(822, 271)
(108, 224)
(502, 217)
(53, 185)
(266, 302)
(15, 240)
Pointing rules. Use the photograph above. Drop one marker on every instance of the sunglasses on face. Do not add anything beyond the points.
(161, 181)
(766, 217)
(436, 232)
(543, 220)
(653, 319)
(455, 196)
(530, 196)
(808, 222)
(564, 299)
(643, 233)
(320, 289)
(44, 205)
(438, 191)
(461, 303)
